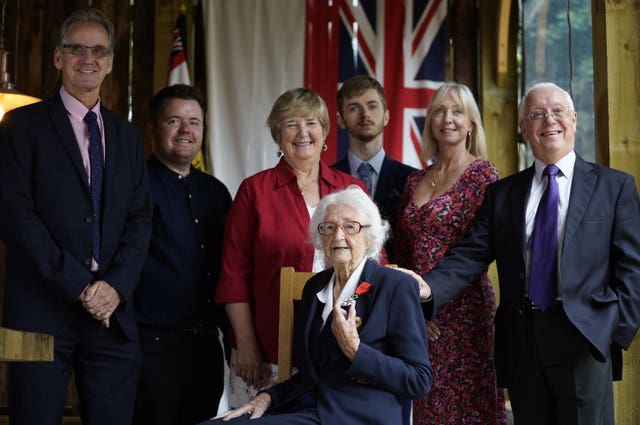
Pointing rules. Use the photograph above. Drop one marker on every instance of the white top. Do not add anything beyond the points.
(326, 295)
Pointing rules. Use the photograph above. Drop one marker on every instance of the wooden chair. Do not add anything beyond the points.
(291, 286)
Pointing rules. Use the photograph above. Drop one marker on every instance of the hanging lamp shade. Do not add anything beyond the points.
(10, 98)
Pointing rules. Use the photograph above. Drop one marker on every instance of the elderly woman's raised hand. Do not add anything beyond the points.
(255, 408)
(345, 330)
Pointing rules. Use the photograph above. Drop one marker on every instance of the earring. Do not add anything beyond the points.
(279, 154)
(324, 147)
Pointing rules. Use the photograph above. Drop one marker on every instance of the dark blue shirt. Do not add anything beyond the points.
(179, 277)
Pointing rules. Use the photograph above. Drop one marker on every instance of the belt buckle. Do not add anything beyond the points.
(530, 305)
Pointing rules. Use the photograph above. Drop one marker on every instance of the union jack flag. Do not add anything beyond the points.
(400, 43)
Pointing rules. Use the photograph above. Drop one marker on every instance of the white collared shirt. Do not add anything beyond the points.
(538, 186)
(326, 295)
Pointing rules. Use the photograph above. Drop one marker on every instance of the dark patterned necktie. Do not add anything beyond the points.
(364, 173)
(543, 274)
(96, 158)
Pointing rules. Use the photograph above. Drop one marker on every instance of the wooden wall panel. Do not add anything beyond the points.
(142, 57)
(616, 54)
(462, 22)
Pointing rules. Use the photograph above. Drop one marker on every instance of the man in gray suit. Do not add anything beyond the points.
(557, 352)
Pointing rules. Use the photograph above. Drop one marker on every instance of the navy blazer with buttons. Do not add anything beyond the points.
(46, 217)
(599, 264)
(388, 194)
(391, 364)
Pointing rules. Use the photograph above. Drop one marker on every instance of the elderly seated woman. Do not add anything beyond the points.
(360, 338)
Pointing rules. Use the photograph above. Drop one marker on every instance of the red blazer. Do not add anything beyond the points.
(266, 229)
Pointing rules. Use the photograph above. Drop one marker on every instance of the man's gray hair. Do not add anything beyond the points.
(538, 86)
(87, 15)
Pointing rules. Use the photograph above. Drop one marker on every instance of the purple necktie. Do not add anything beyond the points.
(543, 277)
(96, 158)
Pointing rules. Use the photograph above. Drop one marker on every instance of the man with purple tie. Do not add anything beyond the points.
(566, 239)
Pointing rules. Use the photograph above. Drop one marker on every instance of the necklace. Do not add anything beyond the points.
(434, 181)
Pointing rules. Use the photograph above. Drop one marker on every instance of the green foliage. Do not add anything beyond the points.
(557, 47)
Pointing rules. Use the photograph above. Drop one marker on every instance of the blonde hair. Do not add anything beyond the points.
(477, 144)
(298, 102)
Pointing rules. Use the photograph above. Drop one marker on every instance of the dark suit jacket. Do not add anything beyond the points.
(393, 176)
(46, 217)
(600, 262)
(392, 361)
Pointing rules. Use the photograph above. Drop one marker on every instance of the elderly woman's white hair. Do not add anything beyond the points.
(355, 198)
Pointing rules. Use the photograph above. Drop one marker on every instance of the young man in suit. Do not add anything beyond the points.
(182, 363)
(362, 112)
(75, 215)
(565, 312)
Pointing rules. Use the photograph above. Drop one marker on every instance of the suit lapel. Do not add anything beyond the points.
(309, 321)
(363, 303)
(342, 165)
(60, 119)
(385, 180)
(581, 189)
(110, 156)
(518, 199)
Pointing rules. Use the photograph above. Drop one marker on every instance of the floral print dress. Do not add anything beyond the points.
(464, 389)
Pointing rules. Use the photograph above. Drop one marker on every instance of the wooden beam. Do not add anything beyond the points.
(616, 60)
(502, 50)
(462, 24)
(25, 346)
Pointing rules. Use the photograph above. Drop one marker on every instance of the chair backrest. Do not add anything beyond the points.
(291, 286)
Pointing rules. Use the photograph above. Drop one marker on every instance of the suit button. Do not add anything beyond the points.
(87, 261)
(88, 219)
(521, 275)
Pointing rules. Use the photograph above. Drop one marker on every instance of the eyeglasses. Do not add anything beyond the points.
(80, 50)
(559, 112)
(348, 227)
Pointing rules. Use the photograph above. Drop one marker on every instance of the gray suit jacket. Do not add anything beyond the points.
(599, 268)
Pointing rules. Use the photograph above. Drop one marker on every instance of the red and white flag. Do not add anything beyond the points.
(257, 50)
(178, 70)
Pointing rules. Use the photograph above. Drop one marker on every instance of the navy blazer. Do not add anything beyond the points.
(46, 217)
(391, 364)
(599, 267)
(391, 181)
